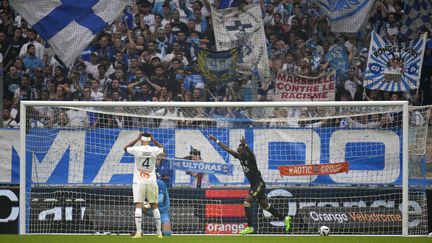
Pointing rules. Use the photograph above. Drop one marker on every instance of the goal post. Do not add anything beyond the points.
(73, 171)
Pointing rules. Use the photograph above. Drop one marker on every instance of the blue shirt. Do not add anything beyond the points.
(163, 197)
(31, 63)
(163, 170)
(193, 80)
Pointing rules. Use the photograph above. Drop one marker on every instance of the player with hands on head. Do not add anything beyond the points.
(144, 180)
(257, 185)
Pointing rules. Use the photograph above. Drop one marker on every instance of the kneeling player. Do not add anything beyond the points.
(164, 208)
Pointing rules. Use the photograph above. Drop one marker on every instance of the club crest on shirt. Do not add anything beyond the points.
(144, 175)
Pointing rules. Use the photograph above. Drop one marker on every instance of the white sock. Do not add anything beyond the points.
(156, 215)
(138, 219)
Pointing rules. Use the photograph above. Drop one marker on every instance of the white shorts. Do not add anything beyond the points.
(143, 191)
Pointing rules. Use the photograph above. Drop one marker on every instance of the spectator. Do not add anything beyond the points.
(158, 80)
(162, 43)
(48, 74)
(279, 118)
(170, 35)
(164, 95)
(77, 118)
(175, 51)
(140, 91)
(105, 49)
(31, 61)
(11, 83)
(63, 93)
(169, 117)
(153, 50)
(299, 38)
(121, 91)
(102, 77)
(19, 65)
(61, 120)
(198, 180)
(96, 93)
(59, 76)
(38, 80)
(39, 49)
(119, 74)
(146, 17)
(24, 91)
(176, 24)
(92, 66)
(8, 121)
(6, 24)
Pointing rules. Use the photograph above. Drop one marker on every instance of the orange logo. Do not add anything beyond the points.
(144, 175)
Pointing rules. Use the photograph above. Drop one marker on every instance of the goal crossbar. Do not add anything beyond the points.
(25, 104)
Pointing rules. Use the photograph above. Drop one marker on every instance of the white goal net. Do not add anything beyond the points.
(356, 167)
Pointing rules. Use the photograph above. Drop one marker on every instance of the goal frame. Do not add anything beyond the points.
(405, 128)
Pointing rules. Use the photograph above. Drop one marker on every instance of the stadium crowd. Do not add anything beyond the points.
(154, 60)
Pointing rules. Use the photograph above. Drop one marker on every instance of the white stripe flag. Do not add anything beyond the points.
(347, 16)
(243, 29)
(69, 25)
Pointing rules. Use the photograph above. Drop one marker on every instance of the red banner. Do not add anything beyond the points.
(318, 169)
(224, 210)
(303, 88)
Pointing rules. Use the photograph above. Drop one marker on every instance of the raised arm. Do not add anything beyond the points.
(223, 146)
(131, 144)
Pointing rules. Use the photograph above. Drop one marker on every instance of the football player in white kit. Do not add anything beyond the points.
(144, 179)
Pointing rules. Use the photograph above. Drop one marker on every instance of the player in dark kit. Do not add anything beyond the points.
(257, 184)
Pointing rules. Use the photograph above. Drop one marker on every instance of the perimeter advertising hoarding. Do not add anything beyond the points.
(9, 209)
(71, 156)
(349, 211)
(345, 220)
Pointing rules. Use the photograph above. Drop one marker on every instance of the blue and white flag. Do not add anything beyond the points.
(69, 25)
(229, 3)
(217, 66)
(347, 16)
(393, 68)
(243, 29)
(337, 56)
(417, 14)
(202, 167)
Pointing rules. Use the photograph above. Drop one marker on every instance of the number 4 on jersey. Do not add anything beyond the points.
(146, 163)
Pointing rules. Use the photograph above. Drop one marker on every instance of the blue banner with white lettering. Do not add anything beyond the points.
(96, 156)
(201, 167)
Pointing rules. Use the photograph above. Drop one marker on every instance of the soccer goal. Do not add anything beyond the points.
(355, 167)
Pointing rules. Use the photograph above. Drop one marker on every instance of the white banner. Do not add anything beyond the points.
(243, 30)
(394, 68)
(301, 88)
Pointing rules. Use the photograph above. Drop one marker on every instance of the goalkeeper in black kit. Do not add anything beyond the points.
(257, 184)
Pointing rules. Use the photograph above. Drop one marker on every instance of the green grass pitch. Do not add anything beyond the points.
(207, 239)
